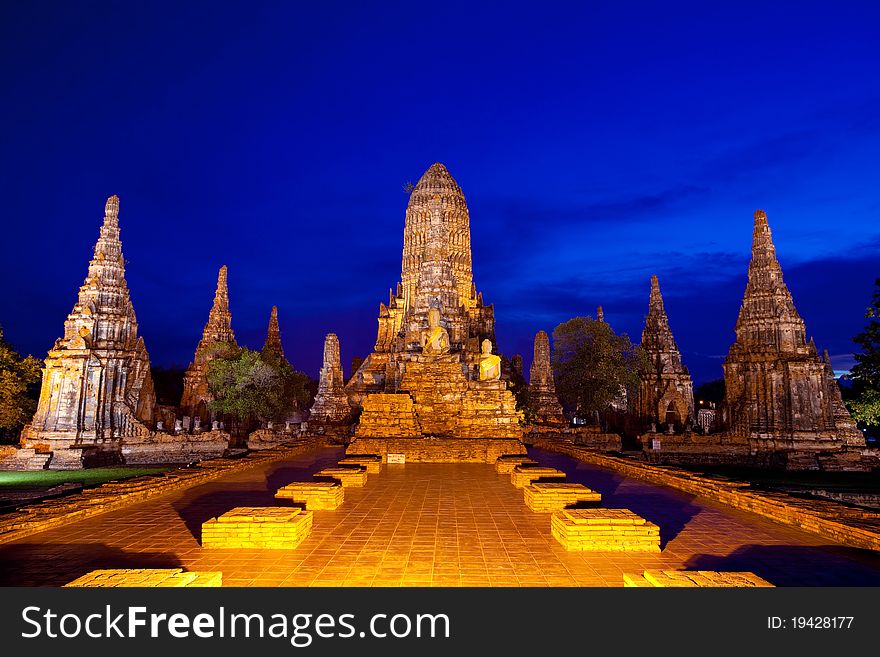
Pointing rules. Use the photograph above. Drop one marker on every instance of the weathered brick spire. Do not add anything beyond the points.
(96, 384)
(437, 221)
(666, 392)
(273, 336)
(331, 403)
(544, 403)
(657, 337)
(778, 391)
(217, 336)
(768, 320)
(219, 325)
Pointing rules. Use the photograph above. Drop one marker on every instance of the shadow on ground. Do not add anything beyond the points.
(671, 510)
(196, 510)
(796, 565)
(35, 564)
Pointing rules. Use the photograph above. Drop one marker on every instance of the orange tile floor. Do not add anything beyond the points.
(431, 525)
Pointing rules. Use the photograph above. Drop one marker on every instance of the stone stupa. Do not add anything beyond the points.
(430, 386)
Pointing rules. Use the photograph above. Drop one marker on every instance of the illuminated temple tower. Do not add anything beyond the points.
(779, 392)
(272, 347)
(216, 337)
(97, 389)
(544, 403)
(424, 375)
(666, 392)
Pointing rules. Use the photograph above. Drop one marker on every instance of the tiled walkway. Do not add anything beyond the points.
(430, 525)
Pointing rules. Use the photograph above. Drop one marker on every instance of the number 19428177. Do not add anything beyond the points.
(810, 622)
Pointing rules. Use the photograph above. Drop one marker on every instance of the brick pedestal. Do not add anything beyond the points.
(372, 462)
(147, 577)
(545, 497)
(281, 528)
(693, 579)
(505, 464)
(523, 475)
(353, 477)
(604, 530)
(316, 495)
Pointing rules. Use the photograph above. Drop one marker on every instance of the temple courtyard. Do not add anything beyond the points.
(430, 524)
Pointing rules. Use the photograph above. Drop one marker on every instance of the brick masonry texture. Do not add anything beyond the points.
(840, 523)
(438, 450)
(430, 524)
(118, 495)
(147, 577)
(693, 579)
(552, 496)
(281, 528)
(316, 495)
(604, 530)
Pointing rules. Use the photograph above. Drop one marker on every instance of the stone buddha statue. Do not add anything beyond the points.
(490, 364)
(435, 339)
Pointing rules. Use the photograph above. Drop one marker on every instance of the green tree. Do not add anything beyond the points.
(592, 365)
(865, 374)
(19, 379)
(251, 387)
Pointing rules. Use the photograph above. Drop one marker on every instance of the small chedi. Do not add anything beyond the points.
(272, 347)
(96, 388)
(330, 413)
(780, 394)
(666, 393)
(432, 374)
(216, 338)
(544, 404)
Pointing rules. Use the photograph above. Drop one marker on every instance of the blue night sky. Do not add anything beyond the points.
(596, 143)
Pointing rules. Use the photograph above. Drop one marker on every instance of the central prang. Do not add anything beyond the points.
(432, 372)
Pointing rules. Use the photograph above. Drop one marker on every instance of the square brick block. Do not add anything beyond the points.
(282, 528)
(505, 464)
(348, 476)
(523, 475)
(372, 462)
(147, 577)
(604, 530)
(316, 495)
(694, 579)
(546, 497)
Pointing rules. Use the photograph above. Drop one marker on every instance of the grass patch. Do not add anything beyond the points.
(89, 477)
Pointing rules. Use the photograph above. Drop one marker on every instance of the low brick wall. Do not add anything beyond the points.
(837, 522)
(439, 450)
(116, 495)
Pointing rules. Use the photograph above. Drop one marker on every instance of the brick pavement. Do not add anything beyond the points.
(430, 525)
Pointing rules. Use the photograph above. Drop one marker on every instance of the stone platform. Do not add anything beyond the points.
(544, 497)
(439, 450)
(354, 477)
(524, 475)
(604, 530)
(147, 577)
(372, 462)
(693, 579)
(506, 463)
(281, 528)
(316, 495)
